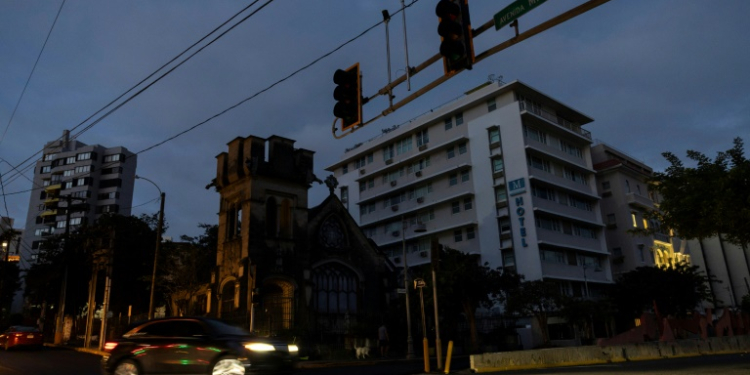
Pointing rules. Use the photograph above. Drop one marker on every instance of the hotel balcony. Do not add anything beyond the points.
(557, 120)
(636, 200)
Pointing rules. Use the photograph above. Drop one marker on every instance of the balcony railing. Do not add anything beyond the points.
(555, 119)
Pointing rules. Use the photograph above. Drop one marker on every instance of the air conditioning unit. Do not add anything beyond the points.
(420, 200)
(362, 171)
(393, 183)
(418, 173)
(395, 233)
(394, 207)
(423, 254)
(389, 161)
(422, 147)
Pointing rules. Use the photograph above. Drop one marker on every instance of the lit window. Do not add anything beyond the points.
(635, 219)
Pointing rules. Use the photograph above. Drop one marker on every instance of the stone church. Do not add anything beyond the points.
(283, 267)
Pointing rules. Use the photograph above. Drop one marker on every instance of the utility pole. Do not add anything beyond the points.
(159, 226)
(59, 325)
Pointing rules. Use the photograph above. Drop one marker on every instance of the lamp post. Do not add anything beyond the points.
(159, 225)
(585, 280)
(419, 228)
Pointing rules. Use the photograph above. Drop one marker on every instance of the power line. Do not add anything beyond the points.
(13, 114)
(154, 73)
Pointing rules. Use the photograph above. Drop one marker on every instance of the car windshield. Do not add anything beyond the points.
(23, 329)
(226, 329)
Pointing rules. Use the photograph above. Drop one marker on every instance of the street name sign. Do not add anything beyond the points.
(515, 10)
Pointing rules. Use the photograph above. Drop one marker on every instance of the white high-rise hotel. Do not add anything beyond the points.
(504, 172)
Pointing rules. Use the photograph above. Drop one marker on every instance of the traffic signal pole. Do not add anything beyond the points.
(411, 72)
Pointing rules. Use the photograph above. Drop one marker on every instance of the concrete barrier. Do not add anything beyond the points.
(589, 355)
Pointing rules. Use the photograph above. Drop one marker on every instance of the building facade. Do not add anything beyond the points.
(504, 172)
(74, 184)
(282, 266)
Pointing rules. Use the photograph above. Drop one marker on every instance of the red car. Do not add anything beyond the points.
(21, 336)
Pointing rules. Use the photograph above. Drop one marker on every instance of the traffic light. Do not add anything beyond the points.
(456, 42)
(348, 94)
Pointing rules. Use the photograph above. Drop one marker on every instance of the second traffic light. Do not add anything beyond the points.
(348, 95)
(457, 41)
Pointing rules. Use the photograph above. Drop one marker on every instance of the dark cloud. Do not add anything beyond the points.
(655, 75)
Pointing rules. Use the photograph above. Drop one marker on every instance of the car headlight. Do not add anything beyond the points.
(293, 348)
(259, 347)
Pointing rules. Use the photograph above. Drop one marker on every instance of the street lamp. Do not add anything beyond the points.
(159, 225)
(419, 228)
(585, 280)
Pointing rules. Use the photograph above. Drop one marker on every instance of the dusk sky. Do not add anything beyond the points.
(655, 75)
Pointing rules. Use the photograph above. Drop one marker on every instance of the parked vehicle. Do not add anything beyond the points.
(203, 346)
(21, 336)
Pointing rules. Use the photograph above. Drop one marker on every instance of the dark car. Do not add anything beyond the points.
(18, 336)
(196, 346)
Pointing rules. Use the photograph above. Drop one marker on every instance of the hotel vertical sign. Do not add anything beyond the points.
(516, 187)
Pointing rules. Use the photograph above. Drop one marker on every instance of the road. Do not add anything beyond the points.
(58, 361)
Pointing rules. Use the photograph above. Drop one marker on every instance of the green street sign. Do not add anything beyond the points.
(513, 11)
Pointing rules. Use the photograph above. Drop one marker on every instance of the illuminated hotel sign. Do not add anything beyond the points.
(516, 187)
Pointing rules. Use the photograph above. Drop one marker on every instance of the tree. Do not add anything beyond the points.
(710, 199)
(672, 291)
(464, 284)
(537, 298)
(189, 265)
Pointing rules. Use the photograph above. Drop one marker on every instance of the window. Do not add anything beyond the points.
(580, 204)
(42, 231)
(112, 208)
(345, 169)
(584, 232)
(344, 194)
(458, 235)
(371, 183)
(468, 204)
(497, 165)
(548, 224)
(611, 220)
(500, 194)
(453, 179)
(552, 256)
(605, 185)
(113, 170)
(49, 157)
(491, 105)
(362, 186)
(81, 156)
(115, 182)
(543, 192)
(627, 185)
(36, 245)
(370, 158)
(60, 224)
(46, 169)
(539, 163)
(359, 163)
(46, 182)
(76, 221)
(422, 138)
(388, 152)
(645, 223)
(70, 160)
(403, 146)
(494, 135)
(68, 185)
(465, 175)
(455, 207)
(617, 251)
(110, 195)
(68, 173)
(113, 157)
(470, 234)
(535, 134)
(635, 219)
(83, 169)
(451, 152)
(570, 149)
(462, 148)
(459, 118)
(84, 194)
(448, 123)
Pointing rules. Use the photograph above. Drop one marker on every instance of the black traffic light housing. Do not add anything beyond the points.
(456, 39)
(348, 95)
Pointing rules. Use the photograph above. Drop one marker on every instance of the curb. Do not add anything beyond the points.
(98, 352)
